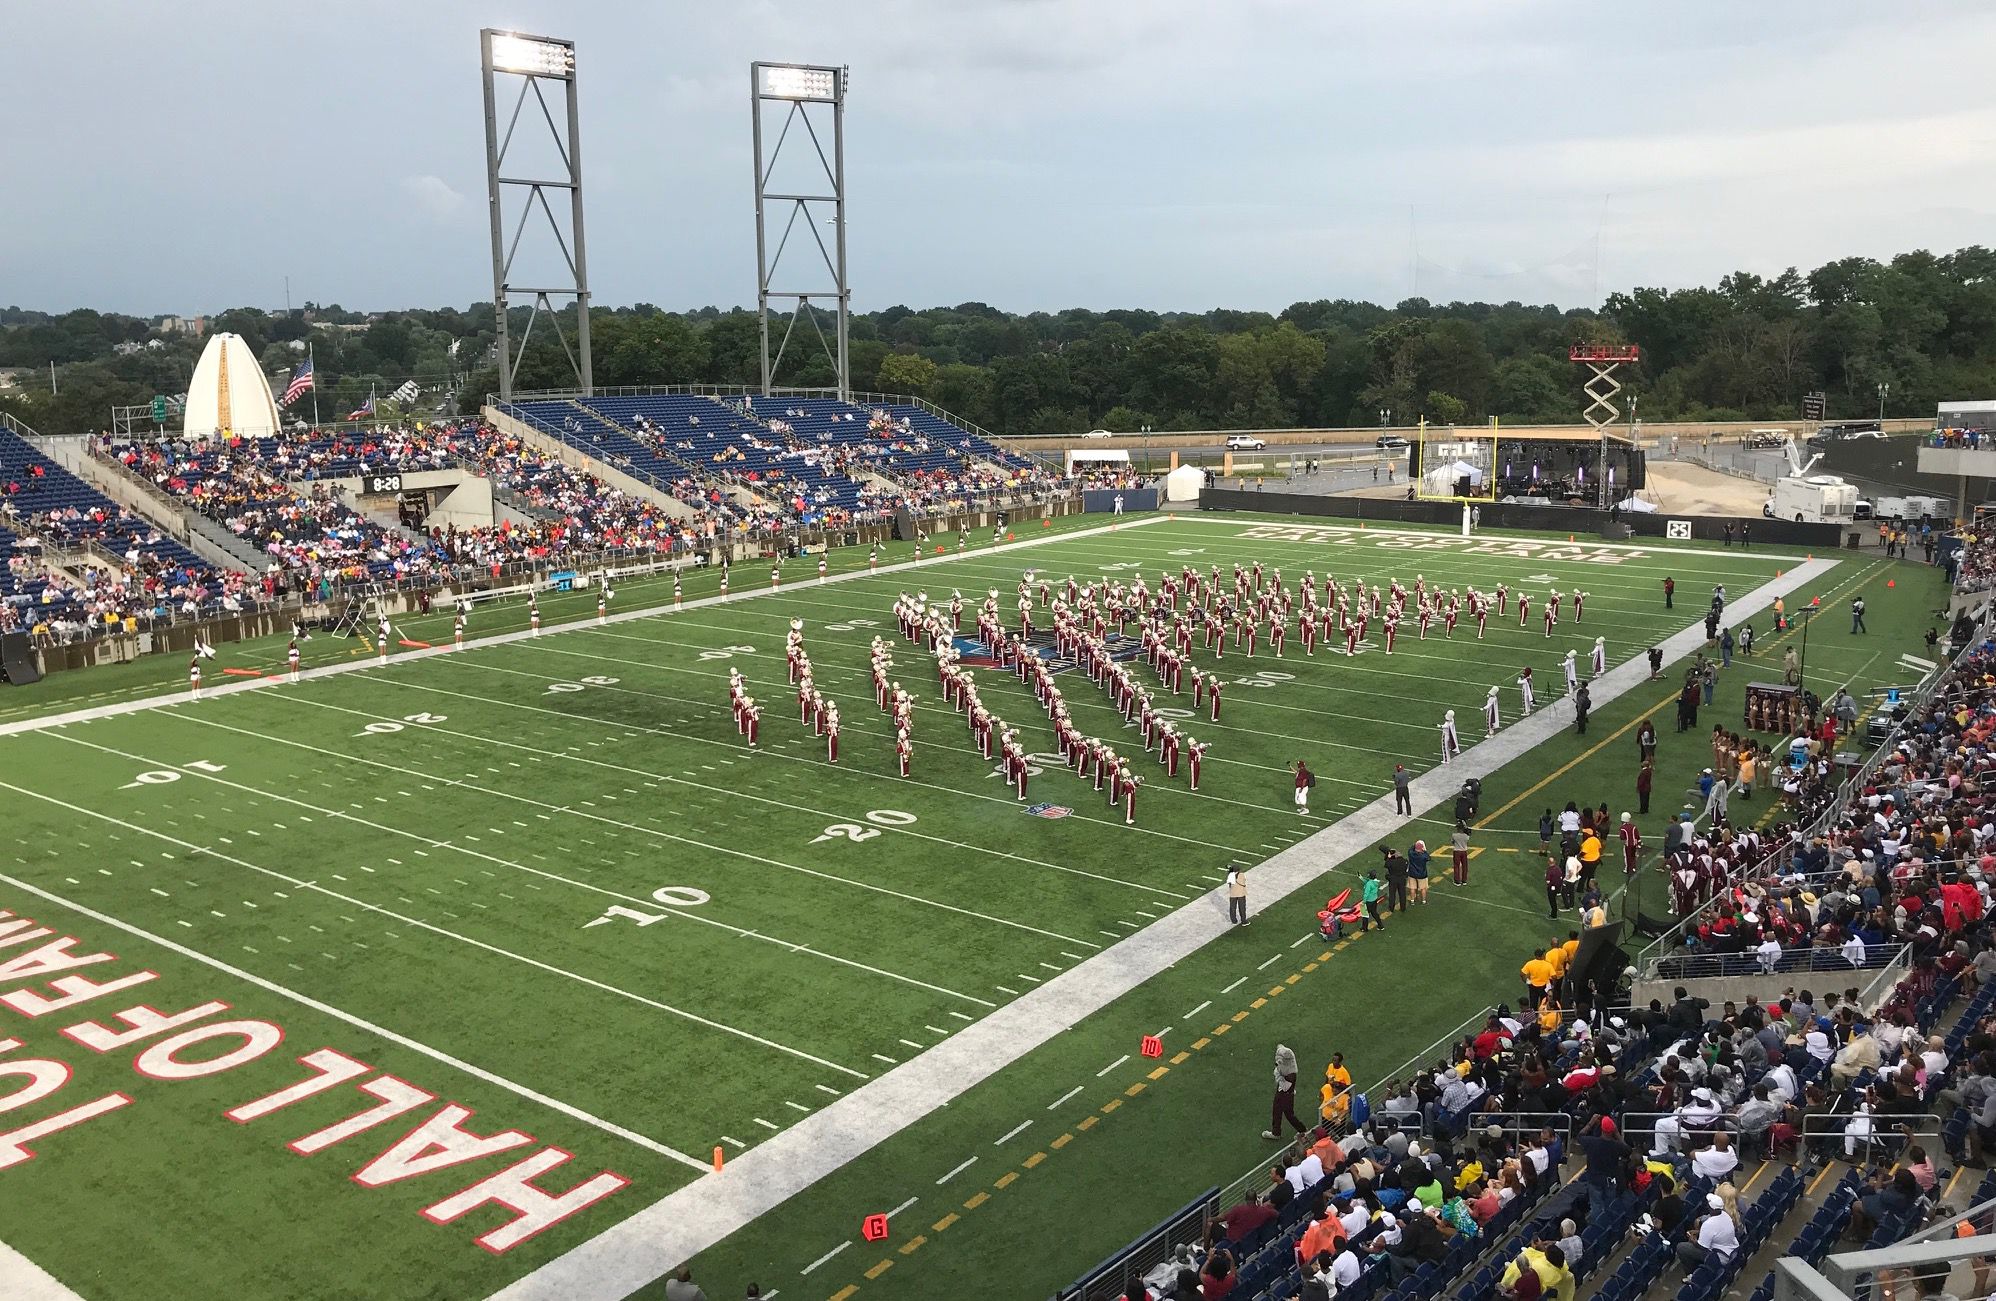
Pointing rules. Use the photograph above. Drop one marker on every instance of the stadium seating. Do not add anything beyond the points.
(156, 577)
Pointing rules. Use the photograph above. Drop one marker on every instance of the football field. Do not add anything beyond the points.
(408, 978)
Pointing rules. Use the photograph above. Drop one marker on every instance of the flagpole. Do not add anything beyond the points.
(315, 380)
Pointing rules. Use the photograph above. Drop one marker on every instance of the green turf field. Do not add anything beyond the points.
(533, 911)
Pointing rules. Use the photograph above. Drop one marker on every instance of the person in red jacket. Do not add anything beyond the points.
(1305, 779)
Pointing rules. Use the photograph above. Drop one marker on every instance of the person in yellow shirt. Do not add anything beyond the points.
(1557, 958)
(1546, 1260)
(1334, 1098)
(1590, 857)
(1538, 978)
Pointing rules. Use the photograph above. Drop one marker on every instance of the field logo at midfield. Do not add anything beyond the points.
(1049, 810)
(1514, 548)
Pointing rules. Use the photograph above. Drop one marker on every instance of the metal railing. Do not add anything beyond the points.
(1838, 803)
(1113, 1278)
(1703, 966)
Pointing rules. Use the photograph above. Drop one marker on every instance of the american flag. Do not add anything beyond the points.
(301, 379)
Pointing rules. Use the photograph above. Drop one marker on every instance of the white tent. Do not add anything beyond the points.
(1441, 480)
(1184, 483)
(229, 394)
(1093, 458)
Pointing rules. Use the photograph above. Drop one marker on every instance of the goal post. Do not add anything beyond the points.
(1454, 464)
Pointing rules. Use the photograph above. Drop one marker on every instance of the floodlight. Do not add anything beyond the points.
(532, 56)
(786, 81)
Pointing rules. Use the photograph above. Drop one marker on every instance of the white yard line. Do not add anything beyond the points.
(382, 1032)
(827, 1256)
(701, 786)
(23, 1280)
(644, 1246)
(955, 1171)
(779, 942)
(362, 664)
(522, 958)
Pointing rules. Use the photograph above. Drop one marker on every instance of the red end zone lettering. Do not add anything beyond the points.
(513, 1188)
(161, 1061)
(397, 1096)
(43, 1076)
(14, 1143)
(333, 1069)
(145, 1022)
(437, 1144)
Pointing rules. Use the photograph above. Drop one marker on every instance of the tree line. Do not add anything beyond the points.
(1921, 325)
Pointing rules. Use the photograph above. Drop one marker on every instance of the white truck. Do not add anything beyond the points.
(1812, 499)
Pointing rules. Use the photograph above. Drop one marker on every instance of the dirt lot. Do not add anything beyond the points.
(1683, 489)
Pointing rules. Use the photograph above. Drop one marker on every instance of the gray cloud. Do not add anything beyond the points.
(1030, 153)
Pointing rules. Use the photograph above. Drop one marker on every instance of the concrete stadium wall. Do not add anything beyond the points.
(1365, 436)
(1555, 519)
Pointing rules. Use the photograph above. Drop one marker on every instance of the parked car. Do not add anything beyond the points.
(1766, 437)
(1388, 441)
(1098, 433)
(1245, 443)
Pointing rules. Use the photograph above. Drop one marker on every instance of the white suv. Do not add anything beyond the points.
(1243, 443)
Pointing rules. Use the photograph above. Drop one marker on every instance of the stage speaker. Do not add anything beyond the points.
(1654, 927)
(17, 660)
(1599, 960)
(1638, 470)
(1616, 532)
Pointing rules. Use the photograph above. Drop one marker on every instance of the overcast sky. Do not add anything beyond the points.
(1170, 154)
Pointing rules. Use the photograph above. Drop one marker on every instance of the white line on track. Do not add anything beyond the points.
(955, 1172)
(1197, 1010)
(1112, 1066)
(1063, 1097)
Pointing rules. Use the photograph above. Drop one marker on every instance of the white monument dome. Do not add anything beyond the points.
(229, 394)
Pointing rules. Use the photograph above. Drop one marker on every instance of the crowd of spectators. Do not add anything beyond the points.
(1973, 566)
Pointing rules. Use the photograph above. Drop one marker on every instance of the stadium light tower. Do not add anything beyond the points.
(807, 93)
(533, 60)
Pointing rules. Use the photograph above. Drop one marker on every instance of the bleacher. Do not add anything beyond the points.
(55, 489)
(943, 432)
(44, 502)
(812, 459)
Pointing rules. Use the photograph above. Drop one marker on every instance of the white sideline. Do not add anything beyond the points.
(643, 1247)
(359, 664)
(23, 1280)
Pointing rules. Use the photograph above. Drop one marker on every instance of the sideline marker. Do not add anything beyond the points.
(719, 1159)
